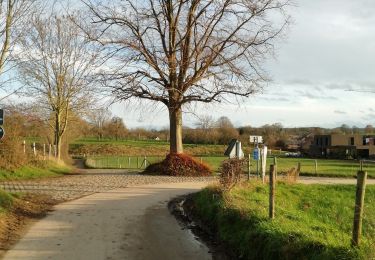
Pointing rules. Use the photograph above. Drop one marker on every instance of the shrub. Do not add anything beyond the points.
(179, 165)
(231, 171)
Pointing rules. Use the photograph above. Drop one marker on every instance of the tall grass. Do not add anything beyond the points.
(312, 221)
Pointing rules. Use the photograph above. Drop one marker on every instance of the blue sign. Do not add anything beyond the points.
(256, 154)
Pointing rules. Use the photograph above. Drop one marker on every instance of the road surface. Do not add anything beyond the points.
(124, 223)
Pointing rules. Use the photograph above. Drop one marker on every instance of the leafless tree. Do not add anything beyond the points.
(58, 65)
(14, 15)
(98, 118)
(183, 51)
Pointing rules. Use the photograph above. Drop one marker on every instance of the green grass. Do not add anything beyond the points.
(6, 201)
(49, 169)
(312, 221)
(331, 168)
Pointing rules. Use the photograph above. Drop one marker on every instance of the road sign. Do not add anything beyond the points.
(256, 139)
(256, 154)
(1, 133)
(1, 116)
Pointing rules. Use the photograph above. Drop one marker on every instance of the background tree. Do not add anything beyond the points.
(58, 66)
(99, 118)
(14, 16)
(115, 128)
(178, 52)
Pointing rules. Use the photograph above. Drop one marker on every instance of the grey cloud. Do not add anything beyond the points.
(339, 112)
(311, 95)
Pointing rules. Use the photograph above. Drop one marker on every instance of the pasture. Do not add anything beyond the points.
(326, 168)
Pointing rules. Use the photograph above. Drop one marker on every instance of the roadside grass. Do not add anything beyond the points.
(43, 170)
(326, 168)
(6, 201)
(312, 221)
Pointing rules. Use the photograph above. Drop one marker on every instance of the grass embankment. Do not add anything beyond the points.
(91, 146)
(41, 170)
(312, 221)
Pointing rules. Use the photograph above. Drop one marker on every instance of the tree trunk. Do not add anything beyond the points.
(175, 125)
(57, 136)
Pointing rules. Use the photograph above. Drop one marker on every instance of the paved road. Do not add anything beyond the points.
(90, 181)
(130, 223)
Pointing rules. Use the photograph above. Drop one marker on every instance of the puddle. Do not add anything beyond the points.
(198, 233)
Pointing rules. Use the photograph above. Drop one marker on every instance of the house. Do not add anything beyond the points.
(343, 146)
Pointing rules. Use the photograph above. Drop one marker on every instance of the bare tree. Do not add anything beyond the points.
(58, 65)
(183, 51)
(99, 118)
(14, 15)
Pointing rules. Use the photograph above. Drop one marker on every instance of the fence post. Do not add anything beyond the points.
(316, 167)
(298, 171)
(44, 151)
(34, 149)
(272, 192)
(248, 168)
(24, 146)
(358, 209)
(275, 165)
(129, 162)
(145, 162)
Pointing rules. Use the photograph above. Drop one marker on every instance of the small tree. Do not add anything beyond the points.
(58, 66)
(177, 52)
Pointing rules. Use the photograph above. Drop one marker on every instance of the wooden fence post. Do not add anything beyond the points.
(275, 165)
(316, 167)
(358, 209)
(272, 192)
(248, 167)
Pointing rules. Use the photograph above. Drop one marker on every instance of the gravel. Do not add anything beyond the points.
(87, 182)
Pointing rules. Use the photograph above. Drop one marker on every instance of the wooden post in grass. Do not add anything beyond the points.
(129, 162)
(248, 167)
(272, 192)
(145, 162)
(24, 147)
(358, 209)
(316, 167)
(44, 151)
(275, 165)
(34, 149)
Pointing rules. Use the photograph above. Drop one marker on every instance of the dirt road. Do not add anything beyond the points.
(124, 223)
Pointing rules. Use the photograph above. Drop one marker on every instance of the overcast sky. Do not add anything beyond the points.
(329, 50)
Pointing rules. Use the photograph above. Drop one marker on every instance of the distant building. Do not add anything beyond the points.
(343, 146)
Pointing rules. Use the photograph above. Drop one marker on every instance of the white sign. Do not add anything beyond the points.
(256, 139)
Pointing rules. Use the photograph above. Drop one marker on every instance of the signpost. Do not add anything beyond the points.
(1, 132)
(1, 116)
(1, 123)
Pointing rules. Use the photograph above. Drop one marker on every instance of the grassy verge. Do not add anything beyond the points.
(43, 170)
(312, 221)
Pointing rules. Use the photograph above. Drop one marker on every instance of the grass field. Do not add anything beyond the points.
(332, 168)
(312, 221)
(49, 169)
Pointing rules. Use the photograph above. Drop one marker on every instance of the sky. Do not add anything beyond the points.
(329, 50)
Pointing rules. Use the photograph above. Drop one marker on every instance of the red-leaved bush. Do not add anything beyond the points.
(179, 165)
